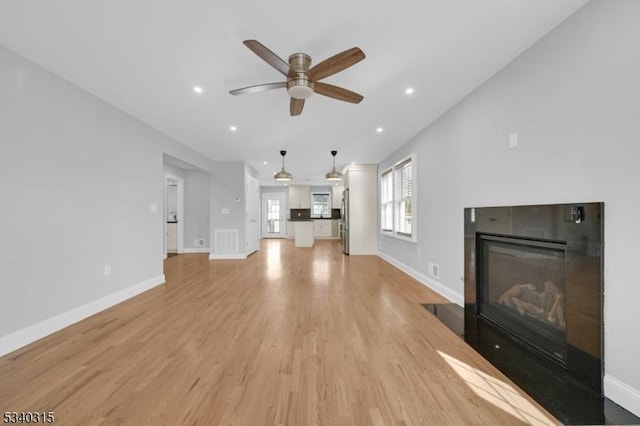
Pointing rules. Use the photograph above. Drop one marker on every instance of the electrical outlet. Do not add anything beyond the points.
(198, 242)
(434, 269)
(513, 140)
(107, 270)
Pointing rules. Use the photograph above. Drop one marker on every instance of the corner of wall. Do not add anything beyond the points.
(622, 394)
(439, 288)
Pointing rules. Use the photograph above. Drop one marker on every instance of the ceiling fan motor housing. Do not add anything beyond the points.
(299, 86)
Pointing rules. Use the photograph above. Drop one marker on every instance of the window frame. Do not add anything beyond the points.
(329, 205)
(392, 173)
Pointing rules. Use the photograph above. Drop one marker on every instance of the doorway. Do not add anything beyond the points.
(273, 215)
(174, 215)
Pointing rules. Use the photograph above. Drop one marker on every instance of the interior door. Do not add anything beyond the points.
(253, 214)
(274, 215)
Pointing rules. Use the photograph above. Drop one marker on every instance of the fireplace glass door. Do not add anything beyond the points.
(522, 290)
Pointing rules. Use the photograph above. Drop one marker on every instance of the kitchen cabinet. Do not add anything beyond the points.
(335, 229)
(304, 233)
(336, 199)
(172, 237)
(325, 228)
(299, 197)
(362, 182)
(322, 228)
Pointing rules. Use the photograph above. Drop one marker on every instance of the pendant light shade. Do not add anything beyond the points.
(283, 175)
(333, 174)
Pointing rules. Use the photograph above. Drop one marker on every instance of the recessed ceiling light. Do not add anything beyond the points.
(409, 90)
(233, 128)
(379, 129)
(197, 89)
(286, 184)
(265, 163)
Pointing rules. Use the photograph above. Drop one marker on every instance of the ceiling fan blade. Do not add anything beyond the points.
(267, 55)
(258, 88)
(295, 106)
(338, 93)
(336, 63)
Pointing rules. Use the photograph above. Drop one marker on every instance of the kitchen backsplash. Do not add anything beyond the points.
(306, 214)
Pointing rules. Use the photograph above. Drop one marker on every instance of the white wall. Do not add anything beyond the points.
(574, 99)
(79, 178)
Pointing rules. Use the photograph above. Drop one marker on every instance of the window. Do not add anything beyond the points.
(273, 216)
(320, 204)
(386, 200)
(397, 199)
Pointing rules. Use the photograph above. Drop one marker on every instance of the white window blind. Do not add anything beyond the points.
(386, 200)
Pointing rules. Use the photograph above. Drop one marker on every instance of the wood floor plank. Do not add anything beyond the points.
(290, 336)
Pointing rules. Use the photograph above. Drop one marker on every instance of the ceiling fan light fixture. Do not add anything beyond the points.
(300, 87)
(302, 79)
(333, 174)
(283, 175)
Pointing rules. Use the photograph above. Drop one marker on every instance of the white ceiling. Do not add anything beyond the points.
(145, 57)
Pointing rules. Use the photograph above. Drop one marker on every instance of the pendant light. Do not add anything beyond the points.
(333, 174)
(283, 175)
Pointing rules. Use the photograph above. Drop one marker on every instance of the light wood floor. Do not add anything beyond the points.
(289, 336)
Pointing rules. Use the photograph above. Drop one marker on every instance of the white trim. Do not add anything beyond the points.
(622, 394)
(222, 256)
(30, 334)
(197, 250)
(434, 285)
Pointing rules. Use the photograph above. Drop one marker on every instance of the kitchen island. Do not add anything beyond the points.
(303, 232)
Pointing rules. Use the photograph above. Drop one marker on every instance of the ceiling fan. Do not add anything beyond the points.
(302, 79)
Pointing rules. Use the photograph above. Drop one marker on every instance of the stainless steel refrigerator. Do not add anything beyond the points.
(345, 222)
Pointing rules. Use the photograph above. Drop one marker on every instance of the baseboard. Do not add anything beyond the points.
(434, 285)
(30, 334)
(622, 394)
(223, 256)
(197, 250)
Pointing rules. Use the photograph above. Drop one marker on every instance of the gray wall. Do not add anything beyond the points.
(79, 179)
(196, 206)
(227, 192)
(574, 99)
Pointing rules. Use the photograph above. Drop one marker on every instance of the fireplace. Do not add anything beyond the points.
(534, 274)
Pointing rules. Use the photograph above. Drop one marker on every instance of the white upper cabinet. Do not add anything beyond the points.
(299, 197)
(336, 198)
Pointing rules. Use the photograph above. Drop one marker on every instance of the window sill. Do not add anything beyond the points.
(411, 239)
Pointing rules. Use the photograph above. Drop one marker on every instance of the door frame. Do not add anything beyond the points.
(179, 213)
(252, 184)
